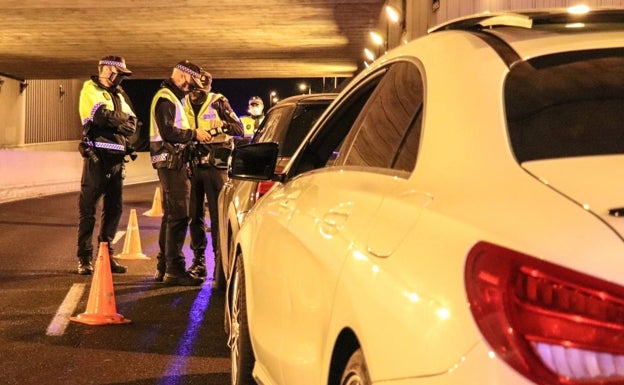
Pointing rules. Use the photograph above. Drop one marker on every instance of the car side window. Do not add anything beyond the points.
(320, 150)
(387, 132)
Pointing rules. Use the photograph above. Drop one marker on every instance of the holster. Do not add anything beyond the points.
(178, 155)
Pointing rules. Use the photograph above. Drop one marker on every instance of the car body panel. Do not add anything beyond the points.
(380, 253)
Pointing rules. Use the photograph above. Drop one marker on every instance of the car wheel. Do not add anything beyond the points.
(241, 353)
(356, 371)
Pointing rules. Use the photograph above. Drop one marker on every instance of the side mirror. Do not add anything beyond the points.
(255, 161)
(218, 157)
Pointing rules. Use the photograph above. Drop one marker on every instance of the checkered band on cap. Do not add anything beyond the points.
(112, 63)
(189, 71)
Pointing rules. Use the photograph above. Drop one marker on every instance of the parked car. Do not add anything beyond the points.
(286, 124)
(470, 230)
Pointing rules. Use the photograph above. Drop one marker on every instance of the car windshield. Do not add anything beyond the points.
(566, 105)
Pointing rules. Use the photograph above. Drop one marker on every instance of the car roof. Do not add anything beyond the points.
(556, 28)
(307, 99)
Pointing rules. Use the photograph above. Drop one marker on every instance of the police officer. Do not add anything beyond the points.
(255, 117)
(108, 122)
(171, 136)
(211, 112)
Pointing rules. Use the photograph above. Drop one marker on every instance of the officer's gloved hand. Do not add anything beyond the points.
(91, 155)
(126, 129)
(87, 152)
(115, 118)
(202, 136)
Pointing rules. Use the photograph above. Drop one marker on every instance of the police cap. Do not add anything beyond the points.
(115, 61)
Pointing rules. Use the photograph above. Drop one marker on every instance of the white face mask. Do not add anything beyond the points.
(255, 110)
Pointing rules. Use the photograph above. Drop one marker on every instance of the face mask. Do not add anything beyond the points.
(187, 87)
(116, 79)
(255, 110)
(198, 96)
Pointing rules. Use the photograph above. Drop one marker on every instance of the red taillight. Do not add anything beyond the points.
(552, 324)
(263, 187)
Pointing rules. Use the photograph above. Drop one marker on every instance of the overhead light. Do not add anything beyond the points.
(376, 38)
(369, 54)
(393, 14)
(578, 9)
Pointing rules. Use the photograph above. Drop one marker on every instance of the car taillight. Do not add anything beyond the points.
(552, 324)
(263, 187)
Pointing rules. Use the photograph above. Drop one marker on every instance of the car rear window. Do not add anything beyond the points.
(566, 105)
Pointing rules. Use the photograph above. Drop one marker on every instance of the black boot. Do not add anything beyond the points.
(84, 266)
(198, 268)
(116, 267)
(161, 267)
(182, 279)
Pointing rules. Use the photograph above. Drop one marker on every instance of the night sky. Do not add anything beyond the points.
(237, 91)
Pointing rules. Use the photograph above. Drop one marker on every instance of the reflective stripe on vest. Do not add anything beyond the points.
(107, 146)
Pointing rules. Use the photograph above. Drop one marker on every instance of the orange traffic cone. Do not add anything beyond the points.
(101, 307)
(132, 244)
(156, 210)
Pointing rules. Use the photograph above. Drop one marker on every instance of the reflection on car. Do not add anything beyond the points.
(462, 235)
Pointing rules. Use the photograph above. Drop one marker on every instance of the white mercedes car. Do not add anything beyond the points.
(470, 230)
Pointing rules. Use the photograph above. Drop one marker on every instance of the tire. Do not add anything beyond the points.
(241, 353)
(356, 371)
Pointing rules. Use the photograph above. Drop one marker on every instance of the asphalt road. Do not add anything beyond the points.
(175, 335)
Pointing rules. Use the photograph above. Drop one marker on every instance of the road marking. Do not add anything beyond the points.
(61, 318)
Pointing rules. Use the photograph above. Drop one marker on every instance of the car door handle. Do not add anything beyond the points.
(334, 219)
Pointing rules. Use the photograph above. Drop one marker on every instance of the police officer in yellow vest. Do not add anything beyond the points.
(212, 112)
(255, 117)
(108, 122)
(171, 137)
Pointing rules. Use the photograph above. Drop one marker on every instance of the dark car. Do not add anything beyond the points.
(286, 124)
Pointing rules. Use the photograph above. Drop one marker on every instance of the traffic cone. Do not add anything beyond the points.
(132, 244)
(156, 210)
(101, 307)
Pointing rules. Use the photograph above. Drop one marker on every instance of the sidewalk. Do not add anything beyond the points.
(28, 173)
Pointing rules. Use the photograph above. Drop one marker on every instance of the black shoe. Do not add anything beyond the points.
(158, 276)
(197, 270)
(116, 267)
(85, 268)
(184, 279)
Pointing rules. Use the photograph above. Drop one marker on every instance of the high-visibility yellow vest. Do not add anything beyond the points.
(249, 125)
(92, 97)
(206, 115)
(158, 152)
(104, 139)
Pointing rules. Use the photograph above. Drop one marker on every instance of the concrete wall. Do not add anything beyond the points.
(54, 169)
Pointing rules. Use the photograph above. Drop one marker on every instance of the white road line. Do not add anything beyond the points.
(61, 318)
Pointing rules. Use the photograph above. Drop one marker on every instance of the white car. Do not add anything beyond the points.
(470, 230)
